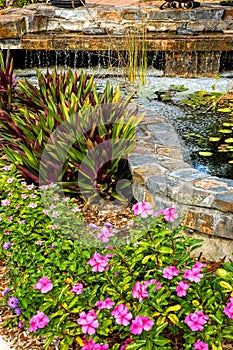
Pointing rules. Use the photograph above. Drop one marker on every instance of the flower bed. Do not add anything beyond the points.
(99, 290)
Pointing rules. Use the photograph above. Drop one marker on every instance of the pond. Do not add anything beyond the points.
(194, 125)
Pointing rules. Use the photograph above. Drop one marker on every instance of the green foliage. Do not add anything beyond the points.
(153, 245)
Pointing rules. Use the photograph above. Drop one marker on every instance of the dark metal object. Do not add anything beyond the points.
(67, 3)
(179, 4)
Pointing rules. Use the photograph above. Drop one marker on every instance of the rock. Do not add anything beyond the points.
(94, 31)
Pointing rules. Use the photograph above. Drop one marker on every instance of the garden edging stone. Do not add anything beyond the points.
(162, 177)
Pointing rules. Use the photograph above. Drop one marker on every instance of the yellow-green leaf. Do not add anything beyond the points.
(173, 308)
(227, 286)
(214, 139)
(173, 318)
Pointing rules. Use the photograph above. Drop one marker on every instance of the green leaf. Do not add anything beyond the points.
(48, 342)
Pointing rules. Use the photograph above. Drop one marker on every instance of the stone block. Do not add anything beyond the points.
(200, 222)
(169, 152)
(12, 27)
(59, 25)
(110, 15)
(224, 226)
(223, 201)
(141, 174)
(36, 23)
(188, 174)
(137, 160)
(77, 14)
(132, 14)
(158, 185)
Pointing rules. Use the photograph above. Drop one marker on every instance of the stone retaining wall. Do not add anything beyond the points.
(186, 36)
(38, 18)
(161, 177)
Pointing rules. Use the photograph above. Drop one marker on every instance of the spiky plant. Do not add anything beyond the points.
(7, 81)
(68, 104)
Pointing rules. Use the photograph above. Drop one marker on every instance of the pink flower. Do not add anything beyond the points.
(39, 242)
(5, 203)
(91, 345)
(200, 345)
(40, 320)
(122, 315)
(196, 321)
(76, 209)
(32, 205)
(104, 234)
(170, 214)
(182, 288)
(44, 285)
(141, 323)
(229, 309)
(24, 195)
(139, 291)
(104, 304)
(21, 222)
(127, 341)
(98, 262)
(55, 214)
(77, 288)
(193, 275)
(6, 232)
(30, 187)
(88, 321)
(91, 225)
(153, 281)
(45, 211)
(198, 265)
(144, 209)
(170, 272)
(6, 168)
(53, 227)
(10, 180)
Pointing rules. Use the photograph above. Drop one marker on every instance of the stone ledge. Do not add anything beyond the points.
(205, 202)
(12, 27)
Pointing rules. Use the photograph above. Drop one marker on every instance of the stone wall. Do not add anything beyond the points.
(37, 18)
(202, 32)
(161, 177)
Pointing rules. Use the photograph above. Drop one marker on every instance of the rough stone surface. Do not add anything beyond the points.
(12, 27)
(208, 29)
(205, 202)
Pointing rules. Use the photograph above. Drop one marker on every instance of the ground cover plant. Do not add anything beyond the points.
(143, 291)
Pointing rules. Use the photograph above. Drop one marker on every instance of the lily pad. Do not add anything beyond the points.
(224, 110)
(205, 154)
(227, 124)
(230, 140)
(225, 131)
(230, 162)
(214, 139)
